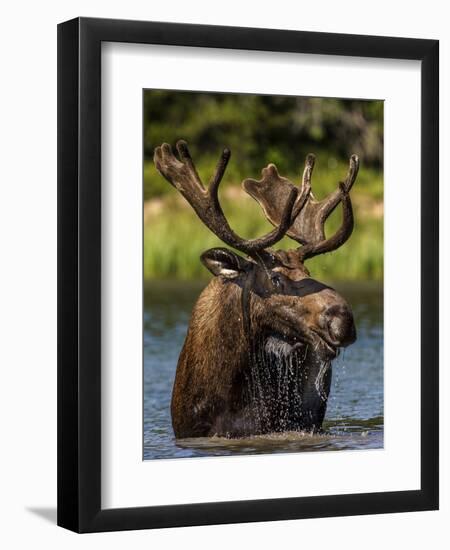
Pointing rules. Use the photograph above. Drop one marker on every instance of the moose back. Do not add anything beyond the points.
(262, 335)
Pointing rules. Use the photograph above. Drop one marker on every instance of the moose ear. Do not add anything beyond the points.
(221, 261)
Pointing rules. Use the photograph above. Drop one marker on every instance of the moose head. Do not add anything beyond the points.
(257, 356)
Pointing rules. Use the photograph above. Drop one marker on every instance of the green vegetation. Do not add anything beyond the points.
(259, 130)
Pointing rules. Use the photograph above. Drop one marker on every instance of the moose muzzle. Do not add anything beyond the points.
(338, 322)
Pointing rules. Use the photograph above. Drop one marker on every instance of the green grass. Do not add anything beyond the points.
(174, 237)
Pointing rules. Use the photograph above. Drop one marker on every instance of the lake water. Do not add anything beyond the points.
(354, 418)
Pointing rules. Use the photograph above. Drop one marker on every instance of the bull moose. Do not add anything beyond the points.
(262, 335)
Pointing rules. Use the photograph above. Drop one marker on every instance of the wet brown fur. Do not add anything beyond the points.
(209, 396)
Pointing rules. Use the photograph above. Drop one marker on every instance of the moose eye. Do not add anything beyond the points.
(276, 279)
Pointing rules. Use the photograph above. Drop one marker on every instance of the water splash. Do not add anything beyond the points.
(286, 387)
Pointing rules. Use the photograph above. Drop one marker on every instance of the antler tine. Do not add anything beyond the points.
(353, 169)
(307, 172)
(186, 158)
(309, 250)
(220, 170)
(184, 177)
(306, 186)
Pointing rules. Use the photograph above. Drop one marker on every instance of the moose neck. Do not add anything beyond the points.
(217, 328)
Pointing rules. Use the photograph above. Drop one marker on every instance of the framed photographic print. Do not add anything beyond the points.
(248, 275)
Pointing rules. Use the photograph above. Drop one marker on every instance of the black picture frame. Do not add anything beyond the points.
(79, 274)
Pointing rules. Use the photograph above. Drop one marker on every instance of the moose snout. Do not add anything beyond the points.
(340, 325)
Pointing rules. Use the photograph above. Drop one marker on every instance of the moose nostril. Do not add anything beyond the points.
(341, 328)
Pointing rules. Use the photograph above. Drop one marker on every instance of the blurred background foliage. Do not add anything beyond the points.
(261, 129)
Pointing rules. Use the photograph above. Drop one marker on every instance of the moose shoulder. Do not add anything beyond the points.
(262, 335)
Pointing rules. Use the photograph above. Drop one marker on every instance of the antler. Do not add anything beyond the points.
(184, 177)
(308, 227)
